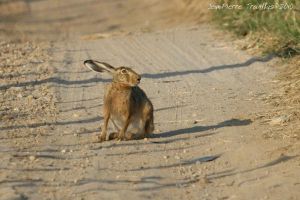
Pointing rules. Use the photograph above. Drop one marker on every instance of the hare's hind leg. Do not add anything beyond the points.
(103, 134)
(148, 120)
(149, 126)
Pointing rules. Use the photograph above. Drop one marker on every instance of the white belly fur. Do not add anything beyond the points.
(135, 127)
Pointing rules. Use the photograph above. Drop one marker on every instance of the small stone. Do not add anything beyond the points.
(81, 130)
(204, 181)
(166, 157)
(16, 88)
(177, 157)
(278, 120)
(63, 151)
(30, 97)
(32, 158)
(146, 139)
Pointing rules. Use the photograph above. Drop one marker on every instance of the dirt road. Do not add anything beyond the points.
(208, 142)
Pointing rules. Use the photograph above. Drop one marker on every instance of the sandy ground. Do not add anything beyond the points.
(211, 138)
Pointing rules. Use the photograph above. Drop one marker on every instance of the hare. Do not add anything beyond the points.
(125, 104)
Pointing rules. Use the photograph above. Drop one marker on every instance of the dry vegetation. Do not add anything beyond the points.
(286, 97)
(272, 32)
(265, 32)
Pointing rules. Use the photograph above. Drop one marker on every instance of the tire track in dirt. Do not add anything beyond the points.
(207, 143)
(204, 108)
(198, 115)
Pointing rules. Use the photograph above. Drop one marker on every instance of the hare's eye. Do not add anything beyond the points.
(123, 71)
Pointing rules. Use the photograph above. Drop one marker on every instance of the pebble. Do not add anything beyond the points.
(278, 120)
(81, 130)
(157, 131)
(177, 157)
(32, 158)
(16, 88)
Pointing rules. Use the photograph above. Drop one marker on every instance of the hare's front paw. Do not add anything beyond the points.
(121, 136)
(115, 135)
(102, 137)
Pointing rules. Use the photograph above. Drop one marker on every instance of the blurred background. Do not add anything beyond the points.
(56, 19)
(270, 30)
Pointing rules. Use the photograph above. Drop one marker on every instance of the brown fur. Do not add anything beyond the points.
(124, 103)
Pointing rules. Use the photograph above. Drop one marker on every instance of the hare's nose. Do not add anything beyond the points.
(139, 78)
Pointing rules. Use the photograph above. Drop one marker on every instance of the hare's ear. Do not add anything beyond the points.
(99, 66)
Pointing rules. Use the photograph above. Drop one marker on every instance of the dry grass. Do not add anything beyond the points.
(283, 24)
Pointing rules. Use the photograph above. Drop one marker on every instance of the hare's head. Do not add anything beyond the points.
(123, 75)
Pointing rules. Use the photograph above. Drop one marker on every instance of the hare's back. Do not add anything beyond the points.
(139, 95)
(141, 100)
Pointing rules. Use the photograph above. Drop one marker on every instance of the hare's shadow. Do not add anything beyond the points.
(231, 122)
